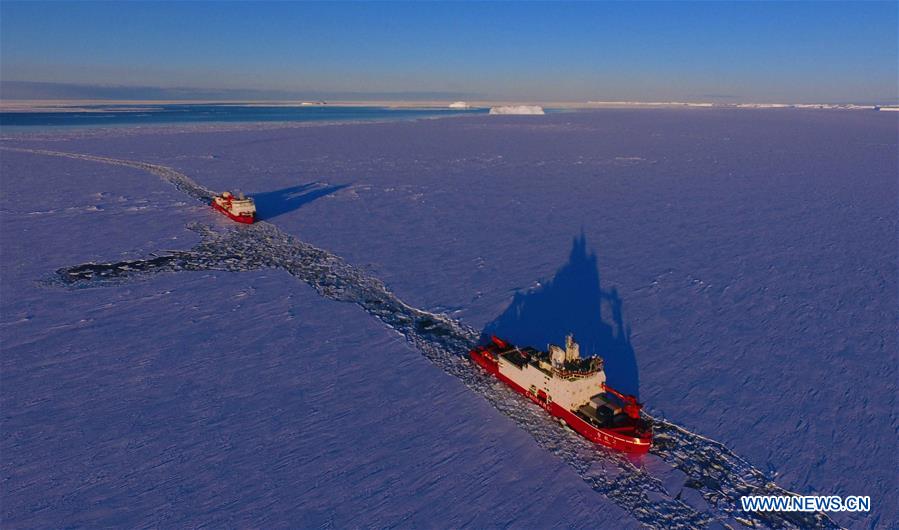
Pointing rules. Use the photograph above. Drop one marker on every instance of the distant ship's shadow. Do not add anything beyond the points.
(573, 302)
(270, 204)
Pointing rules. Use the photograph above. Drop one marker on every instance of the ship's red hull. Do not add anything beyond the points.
(246, 219)
(606, 437)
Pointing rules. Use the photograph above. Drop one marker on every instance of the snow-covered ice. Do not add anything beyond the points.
(744, 275)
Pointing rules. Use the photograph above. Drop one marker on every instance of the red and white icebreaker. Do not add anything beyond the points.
(570, 388)
(241, 209)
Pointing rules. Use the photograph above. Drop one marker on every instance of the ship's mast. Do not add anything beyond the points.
(572, 350)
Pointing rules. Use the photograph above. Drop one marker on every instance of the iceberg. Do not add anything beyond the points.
(517, 109)
(460, 105)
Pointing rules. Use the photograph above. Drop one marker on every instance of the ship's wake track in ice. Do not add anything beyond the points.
(720, 476)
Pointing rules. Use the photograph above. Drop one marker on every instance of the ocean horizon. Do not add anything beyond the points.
(120, 115)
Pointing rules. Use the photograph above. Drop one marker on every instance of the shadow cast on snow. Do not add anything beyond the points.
(271, 204)
(573, 302)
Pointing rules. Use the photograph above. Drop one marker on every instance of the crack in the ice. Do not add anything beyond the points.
(716, 472)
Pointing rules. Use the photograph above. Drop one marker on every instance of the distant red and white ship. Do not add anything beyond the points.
(570, 388)
(241, 209)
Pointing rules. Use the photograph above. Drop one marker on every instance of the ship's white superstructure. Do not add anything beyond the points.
(567, 388)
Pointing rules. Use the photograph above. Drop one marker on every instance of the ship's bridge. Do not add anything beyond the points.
(561, 374)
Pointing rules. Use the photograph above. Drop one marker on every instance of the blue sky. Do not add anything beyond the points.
(750, 51)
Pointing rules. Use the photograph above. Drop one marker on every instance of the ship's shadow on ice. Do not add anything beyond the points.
(271, 204)
(574, 302)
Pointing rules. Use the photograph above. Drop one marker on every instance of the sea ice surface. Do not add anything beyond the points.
(737, 268)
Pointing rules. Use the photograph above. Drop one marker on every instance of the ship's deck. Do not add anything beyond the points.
(598, 417)
(520, 356)
(604, 416)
